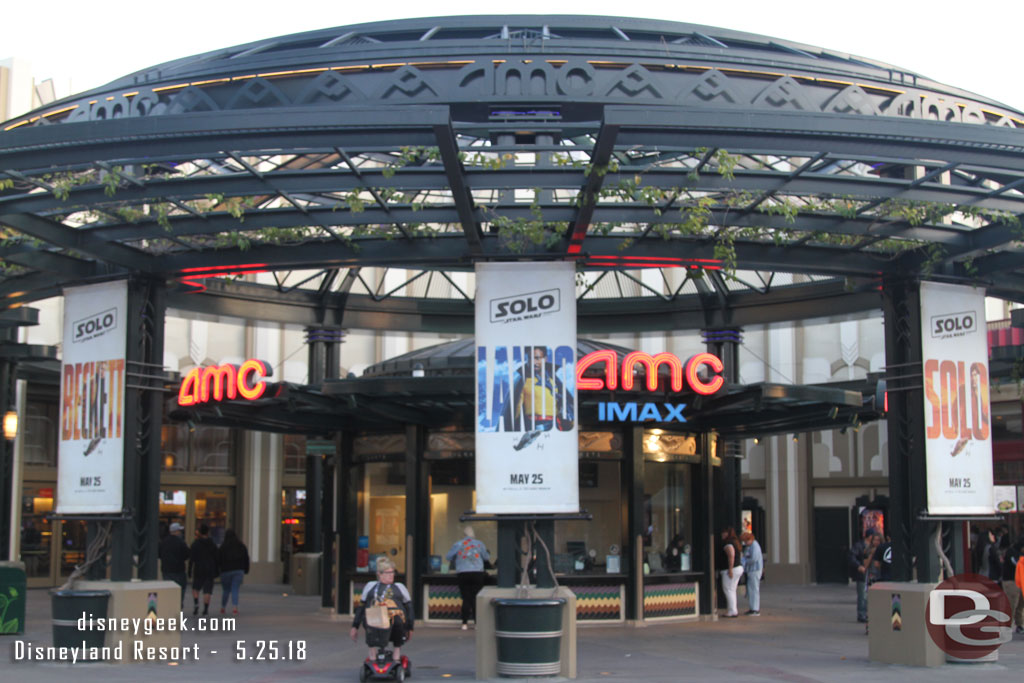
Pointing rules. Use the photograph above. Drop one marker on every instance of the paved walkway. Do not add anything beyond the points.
(804, 634)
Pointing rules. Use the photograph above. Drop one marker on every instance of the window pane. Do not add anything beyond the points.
(668, 512)
(211, 450)
(600, 494)
(451, 494)
(294, 454)
(381, 510)
(174, 446)
(40, 433)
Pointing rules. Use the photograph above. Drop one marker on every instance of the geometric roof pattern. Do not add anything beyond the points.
(352, 176)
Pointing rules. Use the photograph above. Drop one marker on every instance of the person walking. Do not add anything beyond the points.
(202, 567)
(730, 569)
(174, 553)
(753, 565)
(233, 560)
(1013, 582)
(469, 555)
(860, 559)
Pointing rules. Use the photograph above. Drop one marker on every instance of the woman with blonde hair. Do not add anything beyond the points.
(469, 556)
(395, 596)
(753, 565)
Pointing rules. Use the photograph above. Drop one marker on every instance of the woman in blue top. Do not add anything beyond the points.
(753, 565)
(469, 555)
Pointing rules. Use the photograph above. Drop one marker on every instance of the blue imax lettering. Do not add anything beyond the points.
(611, 411)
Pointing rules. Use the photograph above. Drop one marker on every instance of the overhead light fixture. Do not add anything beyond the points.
(11, 425)
(833, 412)
(796, 438)
(757, 440)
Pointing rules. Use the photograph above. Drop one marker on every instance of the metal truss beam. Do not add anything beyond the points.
(62, 236)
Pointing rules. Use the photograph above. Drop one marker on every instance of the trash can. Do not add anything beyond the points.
(529, 633)
(68, 608)
(12, 598)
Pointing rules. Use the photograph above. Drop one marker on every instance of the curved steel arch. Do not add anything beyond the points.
(416, 144)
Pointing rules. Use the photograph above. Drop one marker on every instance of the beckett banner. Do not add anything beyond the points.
(954, 351)
(91, 453)
(527, 449)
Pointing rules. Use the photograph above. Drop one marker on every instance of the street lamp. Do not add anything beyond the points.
(10, 425)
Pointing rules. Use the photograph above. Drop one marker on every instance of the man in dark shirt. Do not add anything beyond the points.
(203, 568)
(173, 554)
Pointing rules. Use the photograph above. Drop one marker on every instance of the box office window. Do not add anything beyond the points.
(584, 547)
(668, 516)
(380, 515)
(452, 493)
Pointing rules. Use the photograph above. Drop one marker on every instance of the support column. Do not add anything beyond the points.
(135, 540)
(417, 513)
(346, 509)
(7, 402)
(324, 362)
(901, 306)
(632, 550)
(725, 343)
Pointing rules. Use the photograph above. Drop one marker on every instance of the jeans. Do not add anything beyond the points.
(862, 601)
(754, 590)
(230, 582)
(729, 588)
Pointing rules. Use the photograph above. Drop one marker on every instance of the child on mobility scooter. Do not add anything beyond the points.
(385, 611)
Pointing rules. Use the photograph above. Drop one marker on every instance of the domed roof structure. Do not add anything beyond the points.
(761, 179)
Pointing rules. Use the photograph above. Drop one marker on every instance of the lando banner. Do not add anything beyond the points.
(954, 346)
(91, 453)
(526, 437)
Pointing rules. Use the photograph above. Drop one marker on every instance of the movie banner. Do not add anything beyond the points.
(527, 449)
(91, 431)
(958, 435)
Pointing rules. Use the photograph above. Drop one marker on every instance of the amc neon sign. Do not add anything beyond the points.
(678, 371)
(227, 381)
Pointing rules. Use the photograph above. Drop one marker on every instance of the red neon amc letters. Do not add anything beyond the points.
(217, 382)
(651, 363)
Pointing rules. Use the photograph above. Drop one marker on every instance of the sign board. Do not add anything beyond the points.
(527, 447)
(958, 435)
(91, 433)
(1005, 498)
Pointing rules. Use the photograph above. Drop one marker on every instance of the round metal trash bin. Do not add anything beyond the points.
(529, 635)
(12, 598)
(68, 607)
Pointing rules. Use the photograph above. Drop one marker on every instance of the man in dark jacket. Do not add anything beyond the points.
(862, 555)
(203, 568)
(173, 554)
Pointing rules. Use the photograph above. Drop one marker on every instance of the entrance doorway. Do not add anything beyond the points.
(193, 506)
(831, 544)
(50, 549)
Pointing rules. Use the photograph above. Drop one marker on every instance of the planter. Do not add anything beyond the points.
(12, 598)
(529, 635)
(68, 607)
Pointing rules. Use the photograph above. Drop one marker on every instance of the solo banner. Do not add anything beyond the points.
(527, 450)
(91, 452)
(954, 346)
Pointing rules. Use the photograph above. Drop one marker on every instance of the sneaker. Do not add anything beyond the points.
(862, 620)
(755, 614)
(1020, 630)
(465, 627)
(235, 611)
(749, 612)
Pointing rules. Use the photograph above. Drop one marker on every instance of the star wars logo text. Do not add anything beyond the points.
(94, 326)
(525, 306)
(954, 325)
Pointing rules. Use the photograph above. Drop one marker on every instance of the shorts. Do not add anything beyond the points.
(203, 583)
(379, 637)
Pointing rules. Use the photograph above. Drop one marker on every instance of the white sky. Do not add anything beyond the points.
(971, 45)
